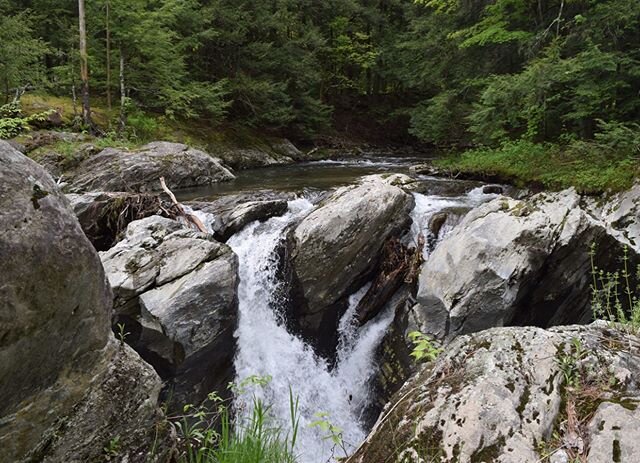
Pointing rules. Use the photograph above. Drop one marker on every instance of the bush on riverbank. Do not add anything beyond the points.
(590, 166)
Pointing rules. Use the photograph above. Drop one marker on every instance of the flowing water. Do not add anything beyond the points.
(267, 349)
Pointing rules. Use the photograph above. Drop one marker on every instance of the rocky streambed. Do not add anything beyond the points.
(315, 282)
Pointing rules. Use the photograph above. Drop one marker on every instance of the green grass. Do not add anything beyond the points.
(211, 434)
(587, 167)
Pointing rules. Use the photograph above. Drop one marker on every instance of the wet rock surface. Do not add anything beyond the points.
(230, 214)
(337, 246)
(507, 395)
(518, 262)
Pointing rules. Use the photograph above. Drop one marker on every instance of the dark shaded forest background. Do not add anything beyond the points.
(444, 72)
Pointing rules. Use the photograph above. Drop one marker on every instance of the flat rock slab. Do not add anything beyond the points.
(139, 171)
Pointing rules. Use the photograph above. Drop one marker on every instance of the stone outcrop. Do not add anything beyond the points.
(517, 395)
(336, 247)
(175, 290)
(512, 262)
(264, 152)
(621, 214)
(230, 214)
(139, 171)
(56, 345)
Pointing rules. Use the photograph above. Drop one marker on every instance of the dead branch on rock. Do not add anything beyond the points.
(181, 212)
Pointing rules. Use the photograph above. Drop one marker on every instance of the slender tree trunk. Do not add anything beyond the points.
(108, 59)
(84, 65)
(123, 96)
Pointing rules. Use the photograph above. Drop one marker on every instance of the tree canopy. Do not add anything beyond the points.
(457, 71)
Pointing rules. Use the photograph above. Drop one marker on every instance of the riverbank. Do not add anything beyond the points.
(588, 167)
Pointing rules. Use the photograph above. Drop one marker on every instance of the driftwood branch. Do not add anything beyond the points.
(191, 219)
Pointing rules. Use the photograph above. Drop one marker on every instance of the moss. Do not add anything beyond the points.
(511, 386)
(490, 453)
(615, 451)
(38, 194)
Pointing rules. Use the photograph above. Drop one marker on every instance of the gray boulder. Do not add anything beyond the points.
(56, 346)
(336, 248)
(242, 153)
(139, 171)
(516, 395)
(230, 214)
(513, 262)
(175, 290)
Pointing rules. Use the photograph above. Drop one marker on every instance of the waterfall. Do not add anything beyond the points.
(266, 348)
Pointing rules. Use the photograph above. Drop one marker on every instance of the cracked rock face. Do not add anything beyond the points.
(139, 171)
(57, 352)
(621, 214)
(337, 246)
(513, 262)
(510, 394)
(175, 289)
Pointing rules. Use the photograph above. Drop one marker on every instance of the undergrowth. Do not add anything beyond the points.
(216, 432)
(607, 163)
(614, 295)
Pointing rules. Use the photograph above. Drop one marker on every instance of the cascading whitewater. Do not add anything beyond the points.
(265, 348)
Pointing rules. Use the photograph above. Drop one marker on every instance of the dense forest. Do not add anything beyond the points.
(448, 72)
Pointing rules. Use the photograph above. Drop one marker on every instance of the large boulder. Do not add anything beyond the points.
(266, 152)
(518, 395)
(139, 171)
(56, 346)
(513, 262)
(175, 290)
(336, 248)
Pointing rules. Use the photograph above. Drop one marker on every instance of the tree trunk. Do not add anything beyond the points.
(108, 59)
(84, 65)
(123, 97)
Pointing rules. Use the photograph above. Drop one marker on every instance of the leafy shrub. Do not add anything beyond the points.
(424, 348)
(12, 122)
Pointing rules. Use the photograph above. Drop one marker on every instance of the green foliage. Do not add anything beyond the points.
(424, 349)
(122, 333)
(112, 449)
(21, 51)
(568, 362)
(12, 122)
(581, 164)
(210, 433)
(614, 297)
(331, 432)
